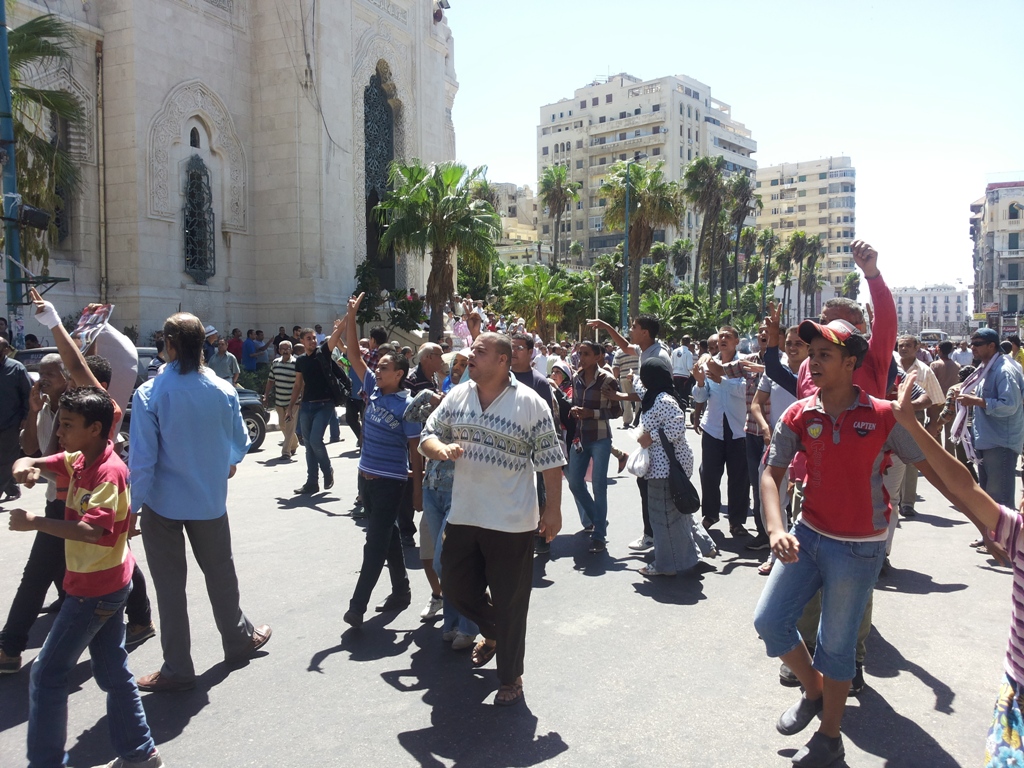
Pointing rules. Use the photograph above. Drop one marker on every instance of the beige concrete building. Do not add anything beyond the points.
(674, 119)
(997, 229)
(818, 197)
(944, 307)
(264, 128)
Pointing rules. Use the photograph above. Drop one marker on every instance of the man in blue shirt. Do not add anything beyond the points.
(187, 435)
(250, 351)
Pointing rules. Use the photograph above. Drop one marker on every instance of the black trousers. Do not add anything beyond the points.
(353, 411)
(381, 498)
(474, 560)
(406, 512)
(45, 566)
(683, 386)
(641, 483)
(720, 456)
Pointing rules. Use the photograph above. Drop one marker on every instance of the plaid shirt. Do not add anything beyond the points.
(596, 398)
(734, 371)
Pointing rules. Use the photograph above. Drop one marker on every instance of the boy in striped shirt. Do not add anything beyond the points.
(96, 526)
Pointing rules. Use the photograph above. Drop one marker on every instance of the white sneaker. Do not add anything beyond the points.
(449, 634)
(642, 544)
(153, 761)
(434, 605)
(463, 641)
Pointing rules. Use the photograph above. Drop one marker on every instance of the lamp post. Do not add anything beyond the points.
(625, 247)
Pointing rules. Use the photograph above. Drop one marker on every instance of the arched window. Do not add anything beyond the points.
(200, 262)
(1015, 209)
(193, 138)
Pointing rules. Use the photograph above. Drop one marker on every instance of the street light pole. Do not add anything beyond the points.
(625, 248)
(12, 263)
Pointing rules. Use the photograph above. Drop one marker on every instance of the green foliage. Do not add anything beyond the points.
(132, 332)
(70, 321)
(656, 278)
(851, 285)
(254, 380)
(367, 282)
(405, 313)
(556, 191)
(538, 296)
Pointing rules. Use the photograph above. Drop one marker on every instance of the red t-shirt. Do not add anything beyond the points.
(235, 348)
(97, 495)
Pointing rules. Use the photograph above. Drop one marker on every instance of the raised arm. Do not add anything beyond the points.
(70, 354)
(355, 358)
(617, 337)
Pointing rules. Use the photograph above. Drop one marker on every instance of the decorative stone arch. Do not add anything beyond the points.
(169, 128)
(81, 138)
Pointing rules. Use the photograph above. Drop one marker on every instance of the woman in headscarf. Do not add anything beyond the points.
(676, 545)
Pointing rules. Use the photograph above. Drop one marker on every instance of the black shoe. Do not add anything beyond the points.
(541, 546)
(596, 546)
(335, 440)
(359, 513)
(329, 480)
(13, 492)
(408, 540)
(886, 567)
(857, 684)
(758, 543)
(820, 751)
(307, 488)
(395, 603)
(786, 677)
(799, 716)
(353, 619)
(907, 511)
(738, 531)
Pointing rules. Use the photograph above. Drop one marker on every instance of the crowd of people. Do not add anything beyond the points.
(493, 411)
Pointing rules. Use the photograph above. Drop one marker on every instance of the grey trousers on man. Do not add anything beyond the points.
(164, 540)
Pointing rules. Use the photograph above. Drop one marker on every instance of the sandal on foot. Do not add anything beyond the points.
(483, 652)
(513, 694)
(977, 543)
(765, 568)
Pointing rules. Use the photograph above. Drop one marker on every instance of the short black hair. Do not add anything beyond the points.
(593, 346)
(249, 333)
(649, 323)
(1013, 339)
(379, 335)
(946, 347)
(100, 368)
(32, 337)
(526, 338)
(159, 344)
(93, 404)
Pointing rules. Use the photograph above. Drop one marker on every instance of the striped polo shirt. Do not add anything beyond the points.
(98, 495)
(283, 376)
(1008, 533)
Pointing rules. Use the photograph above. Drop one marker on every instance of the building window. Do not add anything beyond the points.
(1013, 241)
(579, 225)
(579, 143)
(583, 103)
(656, 108)
(601, 119)
(544, 150)
(657, 151)
(801, 178)
(623, 115)
(608, 99)
(200, 262)
(1011, 303)
(546, 229)
(1014, 211)
(579, 164)
(822, 175)
(689, 154)
(193, 138)
(594, 101)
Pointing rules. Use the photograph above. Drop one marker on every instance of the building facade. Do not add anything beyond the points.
(819, 198)
(672, 119)
(944, 307)
(233, 152)
(997, 224)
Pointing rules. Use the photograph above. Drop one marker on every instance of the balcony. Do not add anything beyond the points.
(1017, 253)
(1011, 284)
(625, 123)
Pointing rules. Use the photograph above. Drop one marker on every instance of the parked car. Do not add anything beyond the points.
(253, 412)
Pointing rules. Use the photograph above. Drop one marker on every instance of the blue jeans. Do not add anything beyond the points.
(436, 506)
(593, 510)
(96, 623)
(313, 418)
(335, 425)
(846, 572)
(997, 474)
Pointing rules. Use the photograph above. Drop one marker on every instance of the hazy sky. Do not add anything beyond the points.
(920, 95)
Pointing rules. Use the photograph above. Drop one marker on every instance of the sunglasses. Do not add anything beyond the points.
(980, 343)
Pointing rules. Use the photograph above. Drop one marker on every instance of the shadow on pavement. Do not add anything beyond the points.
(466, 729)
(914, 583)
(682, 589)
(885, 660)
(937, 520)
(311, 502)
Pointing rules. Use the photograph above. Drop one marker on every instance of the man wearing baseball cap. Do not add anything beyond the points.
(838, 543)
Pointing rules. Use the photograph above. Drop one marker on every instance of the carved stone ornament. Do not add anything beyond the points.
(185, 101)
(81, 138)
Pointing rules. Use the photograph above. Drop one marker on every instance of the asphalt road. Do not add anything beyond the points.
(620, 671)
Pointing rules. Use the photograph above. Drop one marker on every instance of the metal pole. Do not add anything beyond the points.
(764, 289)
(597, 308)
(625, 259)
(12, 240)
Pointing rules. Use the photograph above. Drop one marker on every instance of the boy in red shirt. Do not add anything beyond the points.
(95, 527)
(838, 543)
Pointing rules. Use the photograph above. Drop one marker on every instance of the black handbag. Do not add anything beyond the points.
(339, 390)
(684, 495)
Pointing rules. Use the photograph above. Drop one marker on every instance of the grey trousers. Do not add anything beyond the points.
(164, 540)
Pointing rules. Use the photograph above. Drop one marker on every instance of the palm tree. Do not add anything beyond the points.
(743, 203)
(655, 202)
(748, 247)
(576, 251)
(656, 279)
(679, 252)
(671, 309)
(784, 263)
(47, 176)
(704, 188)
(556, 191)
(767, 241)
(811, 285)
(539, 295)
(851, 285)
(608, 268)
(797, 252)
(432, 209)
(482, 189)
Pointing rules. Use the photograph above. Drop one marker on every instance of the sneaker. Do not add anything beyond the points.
(651, 572)
(353, 618)
(786, 677)
(463, 641)
(395, 602)
(820, 751)
(857, 684)
(306, 489)
(541, 546)
(153, 761)
(434, 606)
(138, 633)
(9, 664)
(642, 544)
(596, 546)
(758, 543)
(799, 716)
(907, 511)
(450, 634)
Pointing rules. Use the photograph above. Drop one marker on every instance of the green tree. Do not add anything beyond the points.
(656, 278)
(679, 253)
(851, 285)
(608, 268)
(655, 202)
(671, 309)
(47, 176)
(576, 252)
(743, 202)
(556, 191)
(538, 296)
(813, 278)
(581, 307)
(797, 253)
(751, 262)
(704, 188)
(768, 241)
(784, 262)
(703, 315)
(431, 209)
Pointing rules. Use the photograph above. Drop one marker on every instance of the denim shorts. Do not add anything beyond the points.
(846, 572)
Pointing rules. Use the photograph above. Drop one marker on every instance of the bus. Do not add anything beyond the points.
(932, 336)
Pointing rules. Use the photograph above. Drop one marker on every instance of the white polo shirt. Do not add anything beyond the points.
(503, 449)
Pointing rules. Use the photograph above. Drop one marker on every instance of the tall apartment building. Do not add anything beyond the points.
(933, 306)
(818, 197)
(674, 119)
(997, 221)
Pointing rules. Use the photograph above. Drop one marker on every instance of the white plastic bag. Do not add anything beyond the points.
(639, 462)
